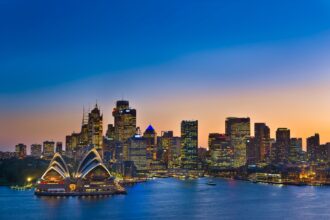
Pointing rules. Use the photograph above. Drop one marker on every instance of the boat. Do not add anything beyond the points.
(211, 183)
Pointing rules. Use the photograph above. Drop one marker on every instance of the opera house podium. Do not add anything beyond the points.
(91, 178)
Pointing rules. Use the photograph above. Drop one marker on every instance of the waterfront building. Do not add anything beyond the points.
(262, 142)
(137, 152)
(221, 153)
(295, 150)
(36, 150)
(20, 150)
(125, 121)
(48, 149)
(91, 177)
(313, 144)
(280, 149)
(238, 131)
(189, 144)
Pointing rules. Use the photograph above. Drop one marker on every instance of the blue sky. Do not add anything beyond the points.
(46, 43)
(56, 56)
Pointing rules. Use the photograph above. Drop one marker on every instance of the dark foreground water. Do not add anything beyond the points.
(176, 199)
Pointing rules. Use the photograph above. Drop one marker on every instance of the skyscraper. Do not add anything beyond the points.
(151, 138)
(48, 149)
(59, 147)
(95, 129)
(36, 150)
(280, 149)
(313, 144)
(295, 150)
(125, 121)
(189, 144)
(20, 150)
(238, 131)
(262, 141)
(252, 151)
(110, 134)
(220, 151)
(137, 152)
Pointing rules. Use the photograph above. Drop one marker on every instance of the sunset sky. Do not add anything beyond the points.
(173, 60)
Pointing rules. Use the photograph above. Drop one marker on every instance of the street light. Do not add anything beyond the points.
(29, 179)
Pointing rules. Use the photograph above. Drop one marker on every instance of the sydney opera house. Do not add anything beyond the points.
(90, 178)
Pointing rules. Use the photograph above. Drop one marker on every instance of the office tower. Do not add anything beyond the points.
(174, 153)
(95, 129)
(48, 149)
(137, 152)
(59, 147)
(221, 153)
(295, 151)
(125, 121)
(281, 146)
(165, 151)
(71, 144)
(321, 153)
(262, 142)
(252, 151)
(238, 131)
(150, 136)
(36, 150)
(20, 150)
(110, 132)
(313, 143)
(189, 144)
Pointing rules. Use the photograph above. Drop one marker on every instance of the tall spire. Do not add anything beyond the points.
(84, 117)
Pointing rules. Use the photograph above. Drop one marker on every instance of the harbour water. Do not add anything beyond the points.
(177, 199)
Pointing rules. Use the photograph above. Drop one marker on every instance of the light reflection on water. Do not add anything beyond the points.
(176, 199)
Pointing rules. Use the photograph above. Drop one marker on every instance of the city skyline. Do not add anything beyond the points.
(267, 61)
(83, 117)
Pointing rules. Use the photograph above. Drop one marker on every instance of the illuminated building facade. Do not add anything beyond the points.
(262, 142)
(125, 121)
(90, 136)
(137, 152)
(95, 129)
(280, 149)
(91, 177)
(110, 134)
(36, 150)
(252, 151)
(295, 150)
(238, 131)
(221, 153)
(150, 136)
(20, 150)
(313, 144)
(189, 144)
(48, 149)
